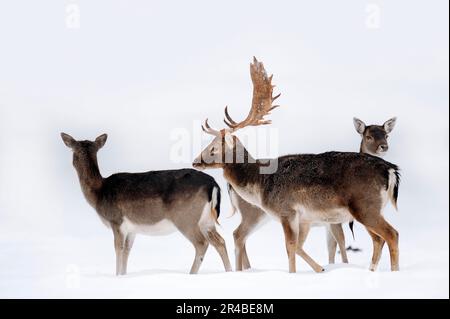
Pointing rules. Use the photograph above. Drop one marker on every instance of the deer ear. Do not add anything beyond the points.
(68, 140)
(101, 140)
(360, 126)
(229, 140)
(389, 125)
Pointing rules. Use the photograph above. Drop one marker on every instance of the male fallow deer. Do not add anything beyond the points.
(333, 187)
(151, 203)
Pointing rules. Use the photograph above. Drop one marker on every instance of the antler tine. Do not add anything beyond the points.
(207, 129)
(229, 121)
(276, 97)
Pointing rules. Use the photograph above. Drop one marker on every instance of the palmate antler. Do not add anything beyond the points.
(262, 103)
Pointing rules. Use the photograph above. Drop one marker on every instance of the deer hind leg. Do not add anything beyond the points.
(378, 244)
(129, 240)
(119, 245)
(194, 234)
(201, 246)
(383, 229)
(338, 234)
(218, 243)
(303, 234)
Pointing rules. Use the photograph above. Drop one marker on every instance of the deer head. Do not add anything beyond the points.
(226, 147)
(85, 154)
(374, 137)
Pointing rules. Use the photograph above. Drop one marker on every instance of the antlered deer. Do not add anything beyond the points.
(151, 203)
(333, 187)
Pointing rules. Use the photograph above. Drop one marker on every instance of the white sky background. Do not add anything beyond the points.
(139, 69)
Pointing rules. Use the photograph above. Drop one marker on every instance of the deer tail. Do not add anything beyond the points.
(393, 186)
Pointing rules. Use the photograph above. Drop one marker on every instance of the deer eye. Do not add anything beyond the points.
(369, 138)
(213, 151)
(387, 136)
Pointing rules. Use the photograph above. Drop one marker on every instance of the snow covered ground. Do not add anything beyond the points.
(147, 72)
(70, 267)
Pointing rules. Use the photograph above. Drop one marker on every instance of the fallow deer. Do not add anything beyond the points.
(374, 141)
(333, 187)
(151, 203)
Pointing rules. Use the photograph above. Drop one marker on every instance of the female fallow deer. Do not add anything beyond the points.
(151, 203)
(333, 187)
(374, 142)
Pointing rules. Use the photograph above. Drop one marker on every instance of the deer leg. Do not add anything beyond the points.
(339, 238)
(119, 243)
(331, 245)
(218, 243)
(200, 251)
(129, 240)
(201, 246)
(291, 231)
(198, 240)
(303, 234)
(383, 229)
(240, 236)
(245, 261)
(378, 244)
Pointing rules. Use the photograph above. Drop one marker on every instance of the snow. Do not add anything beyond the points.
(83, 267)
(148, 83)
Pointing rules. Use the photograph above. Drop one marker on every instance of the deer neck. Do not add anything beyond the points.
(362, 148)
(91, 180)
(245, 177)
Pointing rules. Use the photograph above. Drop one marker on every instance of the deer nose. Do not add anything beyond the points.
(384, 147)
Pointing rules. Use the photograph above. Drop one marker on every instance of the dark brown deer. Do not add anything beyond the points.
(151, 203)
(333, 187)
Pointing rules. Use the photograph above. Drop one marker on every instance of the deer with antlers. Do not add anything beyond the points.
(332, 188)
